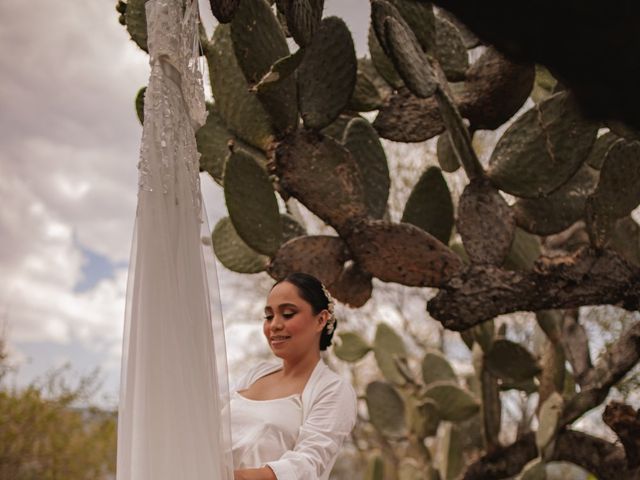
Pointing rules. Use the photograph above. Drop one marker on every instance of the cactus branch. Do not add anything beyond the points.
(588, 277)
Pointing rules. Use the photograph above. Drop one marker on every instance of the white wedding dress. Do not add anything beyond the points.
(172, 423)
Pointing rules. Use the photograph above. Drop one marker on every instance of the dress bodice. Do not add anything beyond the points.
(263, 430)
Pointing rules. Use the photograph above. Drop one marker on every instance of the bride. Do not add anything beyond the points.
(176, 419)
(290, 418)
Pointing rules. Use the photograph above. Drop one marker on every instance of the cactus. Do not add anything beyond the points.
(233, 253)
(386, 346)
(252, 204)
(511, 361)
(454, 403)
(362, 141)
(258, 43)
(352, 347)
(327, 74)
(135, 19)
(140, 104)
(429, 205)
(543, 149)
(386, 409)
(447, 158)
(224, 9)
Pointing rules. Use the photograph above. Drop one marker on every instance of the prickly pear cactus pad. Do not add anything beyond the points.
(454, 403)
(233, 253)
(485, 222)
(353, 286)
(543, 149)
(388, 346)
(303, 18)
(323, 175)
(213, 140)
(352, 347)
(327, 74)
(430, 206)
(252, 203)
(136, 22)
(241, 110)
(258, 43)
(361, 139)
(386, 409)
(511, 361)
(402, 253)
(450, 50)
(322, 256)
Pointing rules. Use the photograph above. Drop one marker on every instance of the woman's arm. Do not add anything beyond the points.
(263, 473)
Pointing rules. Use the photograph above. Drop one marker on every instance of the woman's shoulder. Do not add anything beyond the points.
(329, 381)
(256, 371)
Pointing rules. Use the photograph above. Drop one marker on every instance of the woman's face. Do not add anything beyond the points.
(290, 327)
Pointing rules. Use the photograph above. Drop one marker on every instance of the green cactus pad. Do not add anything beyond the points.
(241, 110)
(420, 17)
(303, 19)
(450, 50)
(252, 203)
(381, 62)
(447, 158)
(435, 367)
(548, 419)
(140, 104)
(485, 222)
(353, 287)
(409, 59)
(213, 140)
(258, 42)
(560, 209)
(327, 74)
(362, 140)
(618, 190)
(491, 407)
(381, 11)
(321, 256)
(386, 409)
(510, 361)
(233, 253)
(337, 128)
(282, 69)
(387, 346)
(459, 134)
(542, 149)
(525, 250)
(366, 96)
(402, 253)
(224, 10)
(452, 461)
(423, 417)
(323, 175)
(600, 148)
(352, 347)
(429, 206)
(136, 21)
(454, 403)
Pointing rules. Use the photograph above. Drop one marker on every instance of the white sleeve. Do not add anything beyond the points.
(329, 422)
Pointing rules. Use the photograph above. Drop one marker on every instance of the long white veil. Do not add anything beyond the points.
(173, 422)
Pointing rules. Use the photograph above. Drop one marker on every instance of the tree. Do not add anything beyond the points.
(544, 225)
(50, 431)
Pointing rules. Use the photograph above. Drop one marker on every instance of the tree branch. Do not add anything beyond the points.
(587, 277)
(625, 421)
(604, 459)
(621, 357)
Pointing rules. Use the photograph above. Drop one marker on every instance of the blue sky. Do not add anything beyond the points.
(68, 180)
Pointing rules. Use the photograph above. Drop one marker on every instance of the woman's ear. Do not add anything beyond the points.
(323, 318)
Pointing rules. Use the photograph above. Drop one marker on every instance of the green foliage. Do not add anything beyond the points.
(386, 409)
(46, 434)
(233, 252)
(135, 19)
(389, 347)
(352, 347)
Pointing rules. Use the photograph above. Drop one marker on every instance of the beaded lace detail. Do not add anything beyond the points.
(174, 100)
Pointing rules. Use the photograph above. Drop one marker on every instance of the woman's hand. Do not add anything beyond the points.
(262, 473)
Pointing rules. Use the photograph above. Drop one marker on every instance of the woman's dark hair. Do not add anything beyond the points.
(310, 289)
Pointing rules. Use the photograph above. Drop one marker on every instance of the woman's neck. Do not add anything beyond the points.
(300, 367)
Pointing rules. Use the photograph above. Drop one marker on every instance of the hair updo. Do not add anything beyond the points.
(312, 291)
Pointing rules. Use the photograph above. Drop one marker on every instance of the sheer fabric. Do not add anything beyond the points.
(174, 386)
